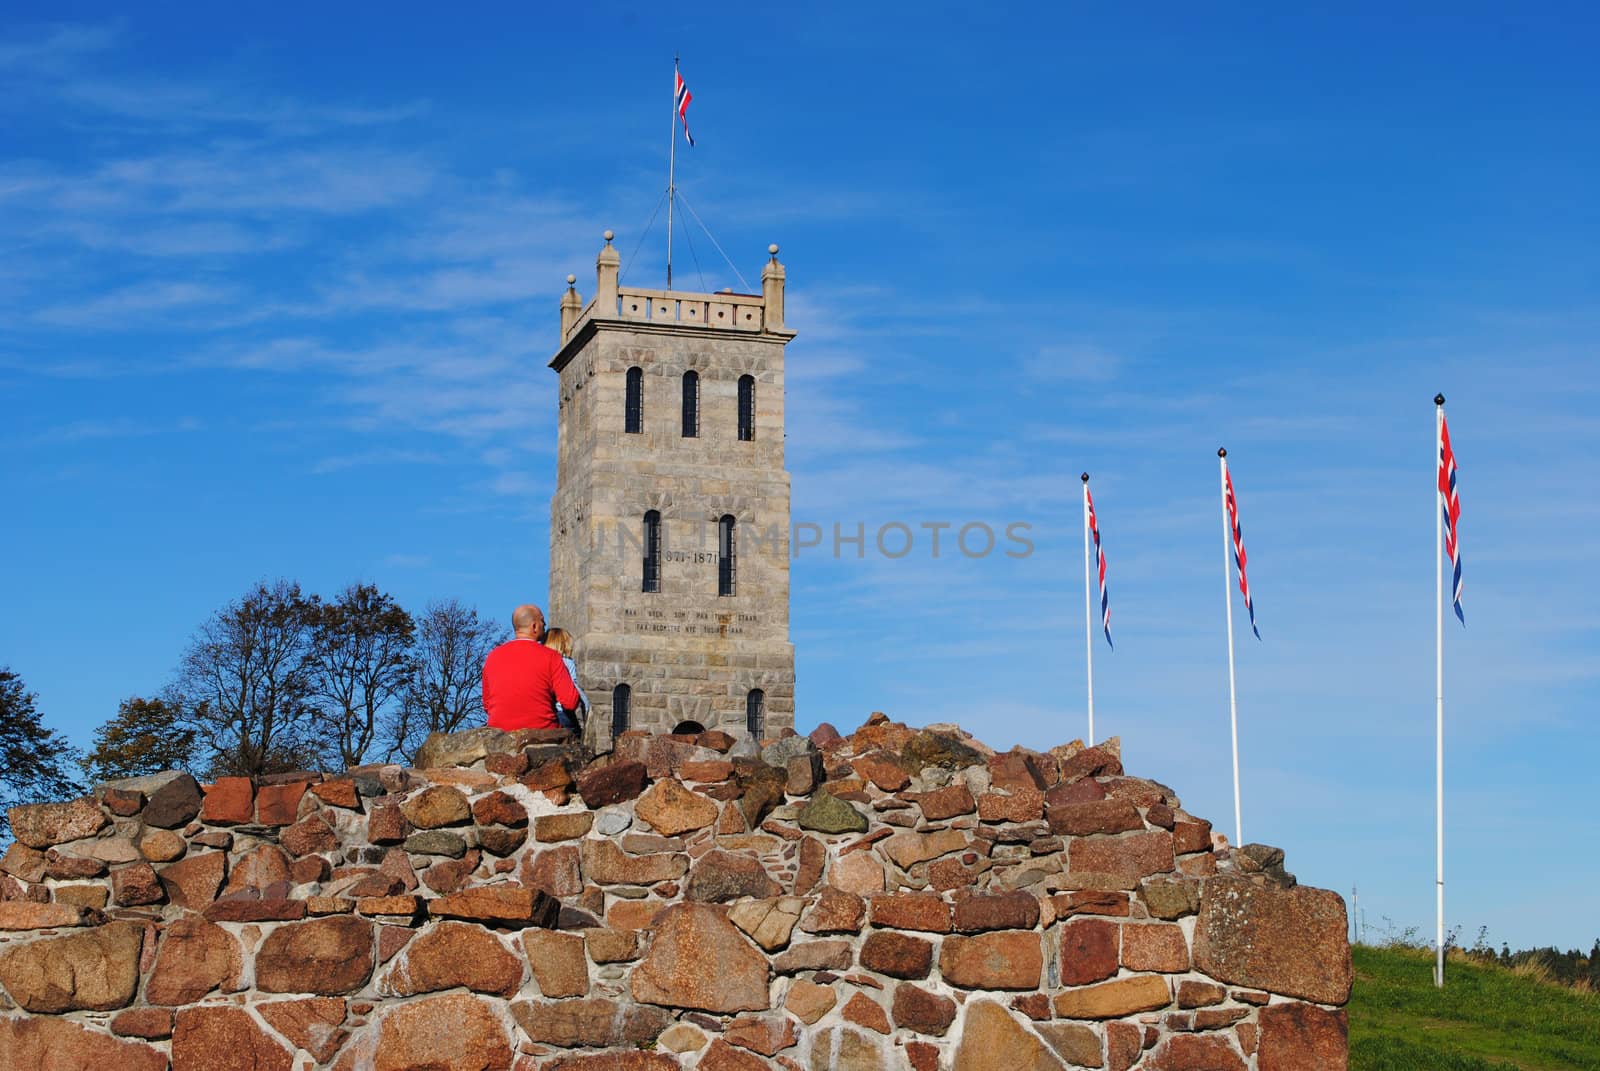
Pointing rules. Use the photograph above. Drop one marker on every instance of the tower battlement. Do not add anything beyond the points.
(727, 311)
(669, 528)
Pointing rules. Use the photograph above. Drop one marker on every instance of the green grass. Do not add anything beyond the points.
(1485, 1018)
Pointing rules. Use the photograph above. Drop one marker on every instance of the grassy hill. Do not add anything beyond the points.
(1486, 1018)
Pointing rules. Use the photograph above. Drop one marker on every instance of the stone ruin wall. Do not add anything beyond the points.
(897, 898)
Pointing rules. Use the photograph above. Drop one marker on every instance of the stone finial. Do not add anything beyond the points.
(571, 308)
(772, 277)
(607, 265)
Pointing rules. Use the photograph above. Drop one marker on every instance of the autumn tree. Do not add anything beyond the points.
(147, 736)
(34, 761)
(444, 691)
(360, 663)
(247, 678)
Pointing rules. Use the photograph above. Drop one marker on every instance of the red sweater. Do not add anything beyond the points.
(522, 680)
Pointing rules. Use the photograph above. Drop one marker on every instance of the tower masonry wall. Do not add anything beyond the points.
(686, 651)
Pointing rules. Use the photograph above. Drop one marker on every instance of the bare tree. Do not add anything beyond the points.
(445, 691)
(246, 678)
(360, 658)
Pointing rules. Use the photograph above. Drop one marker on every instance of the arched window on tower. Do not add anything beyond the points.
(633, 409)
(755, 713)
(621, 697)
(691, 404)
(747, 408)
(727, 555)
(652, 551)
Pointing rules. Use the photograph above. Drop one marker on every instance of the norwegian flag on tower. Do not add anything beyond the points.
(680, 101)
(1238, 548)
(1450, 503)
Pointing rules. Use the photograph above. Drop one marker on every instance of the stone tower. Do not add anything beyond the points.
(669, 529)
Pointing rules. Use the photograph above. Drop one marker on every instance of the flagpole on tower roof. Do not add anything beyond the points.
(672, 165)
(680, 114)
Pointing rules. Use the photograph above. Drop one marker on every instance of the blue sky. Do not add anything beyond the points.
(278, 292)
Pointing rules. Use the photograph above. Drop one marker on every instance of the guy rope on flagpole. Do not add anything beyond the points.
(1088, 609)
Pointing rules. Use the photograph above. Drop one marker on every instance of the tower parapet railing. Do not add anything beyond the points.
(740, 312)
(729, 311)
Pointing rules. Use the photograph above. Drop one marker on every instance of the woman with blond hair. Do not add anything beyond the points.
(560, 641)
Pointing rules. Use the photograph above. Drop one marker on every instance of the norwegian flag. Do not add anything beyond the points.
(1100, 557)
(680, 102)
(1238, 551)
(1450, 502)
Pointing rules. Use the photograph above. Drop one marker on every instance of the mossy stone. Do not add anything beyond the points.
(827, 813)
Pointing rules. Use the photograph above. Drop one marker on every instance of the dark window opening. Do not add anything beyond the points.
(633, 415)
(691, 404)
(727, 555)
(755, 713)
(747, 408)
(621, 696)
(652, 551)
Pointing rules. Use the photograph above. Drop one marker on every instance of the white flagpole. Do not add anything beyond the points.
(1088, 607)
(1438, 682)
(1227, 600)
(672, 164)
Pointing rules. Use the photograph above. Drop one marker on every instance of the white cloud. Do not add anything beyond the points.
(1074, 362)
(251, 177)
(63, 65)
(366, 458)
(59, 49)
(177, 239)
(114, 428)
(181, 105)
(142, 300)
(519, 485)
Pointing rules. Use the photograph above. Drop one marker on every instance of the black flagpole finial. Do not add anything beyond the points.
(1438, 399)
(1222, 451)
(1084, 477)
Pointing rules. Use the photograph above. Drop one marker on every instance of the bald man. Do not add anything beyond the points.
(523, 679)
